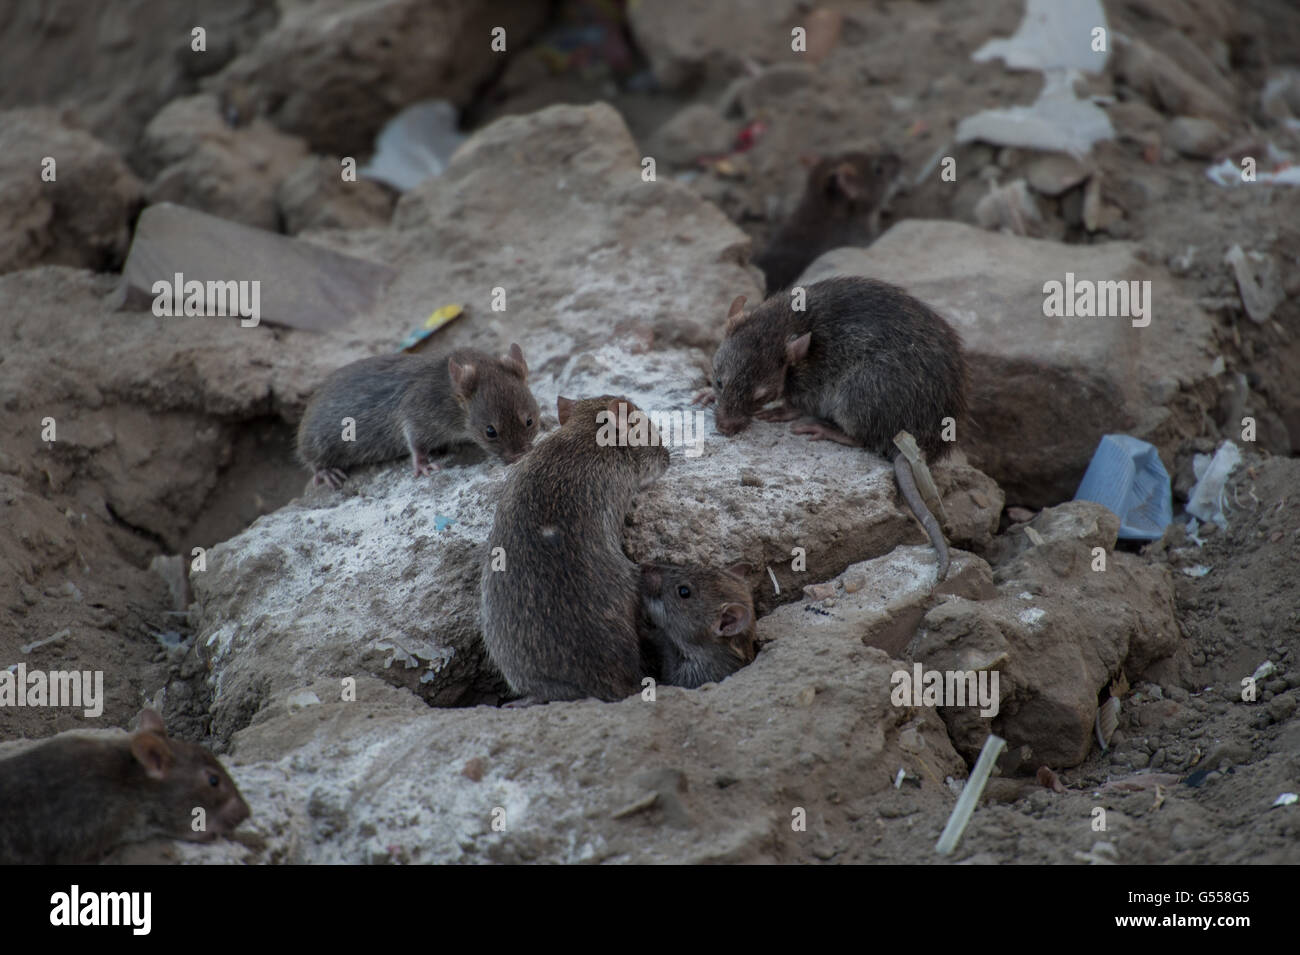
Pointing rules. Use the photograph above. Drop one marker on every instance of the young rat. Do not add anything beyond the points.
(840, 206)
(418, 404)
(697, 624)
(560, 601)
(74, 797)
(863, 361)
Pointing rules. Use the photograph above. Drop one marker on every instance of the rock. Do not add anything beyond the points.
(885, 612)
(1057, 633)
(333, 72)
(695, 776)
(1029, 372)
(119, 64)
(315, 196)
(1280, 97)
(1057, 530)
(690, 44)
(696, 130)
(1196, 138)
(198, 160)
(1054, 174)
(752, 95)
(302, 285)
(1281, 707)
(1168, 86)
(1258, 281)
(505, 190)
(82, 218)
(1009, 208)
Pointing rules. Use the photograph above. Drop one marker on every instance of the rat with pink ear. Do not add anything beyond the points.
(560, 599)
(860, 361)
(697, 624)
(75, 796)
(418, 405)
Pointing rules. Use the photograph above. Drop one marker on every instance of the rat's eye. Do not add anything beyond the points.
(683, 591)
(491, 432)
(528, 423)
(214, 780)
(717, 383)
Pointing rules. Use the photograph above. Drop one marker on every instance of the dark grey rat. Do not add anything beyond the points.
(74, 797)
(862, 361)
(840, 206)
(560, 600)
(418, 405)
(697, 623)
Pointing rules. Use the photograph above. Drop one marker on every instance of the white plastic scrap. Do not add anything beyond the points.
(970, 794)
(1206, 500)
(1048, 39)
(1228, 173)
(414, 145)
(1264, 671)
(1286, 799)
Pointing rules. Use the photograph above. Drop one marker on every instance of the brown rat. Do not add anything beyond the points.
(861, 362)
(418, 405)
(697, 623)
(560, 618)
(72, 798)
(840, 206)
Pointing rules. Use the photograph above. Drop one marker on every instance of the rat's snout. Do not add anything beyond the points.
(231, 814)
(731, 424)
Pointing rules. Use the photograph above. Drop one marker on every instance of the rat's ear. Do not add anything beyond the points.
(152, 752)
(735, 315)
(796, 349)
(464, 378)
(844, 181)
(564, 408)
(741, 570)
(734, 623)
(652, 580)
(515, 362)
(733, 619)
(152, 722)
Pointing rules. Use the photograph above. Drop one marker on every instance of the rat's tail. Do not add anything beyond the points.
(907, 485)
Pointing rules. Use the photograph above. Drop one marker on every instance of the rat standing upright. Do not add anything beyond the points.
(560, 600)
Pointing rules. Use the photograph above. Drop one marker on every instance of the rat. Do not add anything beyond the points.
(697, 623)
(560, 616)
(862, 361)
(74, 797)
(840, 206)
(417, 405)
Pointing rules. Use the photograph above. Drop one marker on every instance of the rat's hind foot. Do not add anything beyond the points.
(779, 413)
(821, 431)
(334, 477)
(523, 701)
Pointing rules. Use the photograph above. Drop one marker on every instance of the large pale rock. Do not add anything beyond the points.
(83, 217)
(334, 72)
(197, 159)
(1045, 389)
(697, 775)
